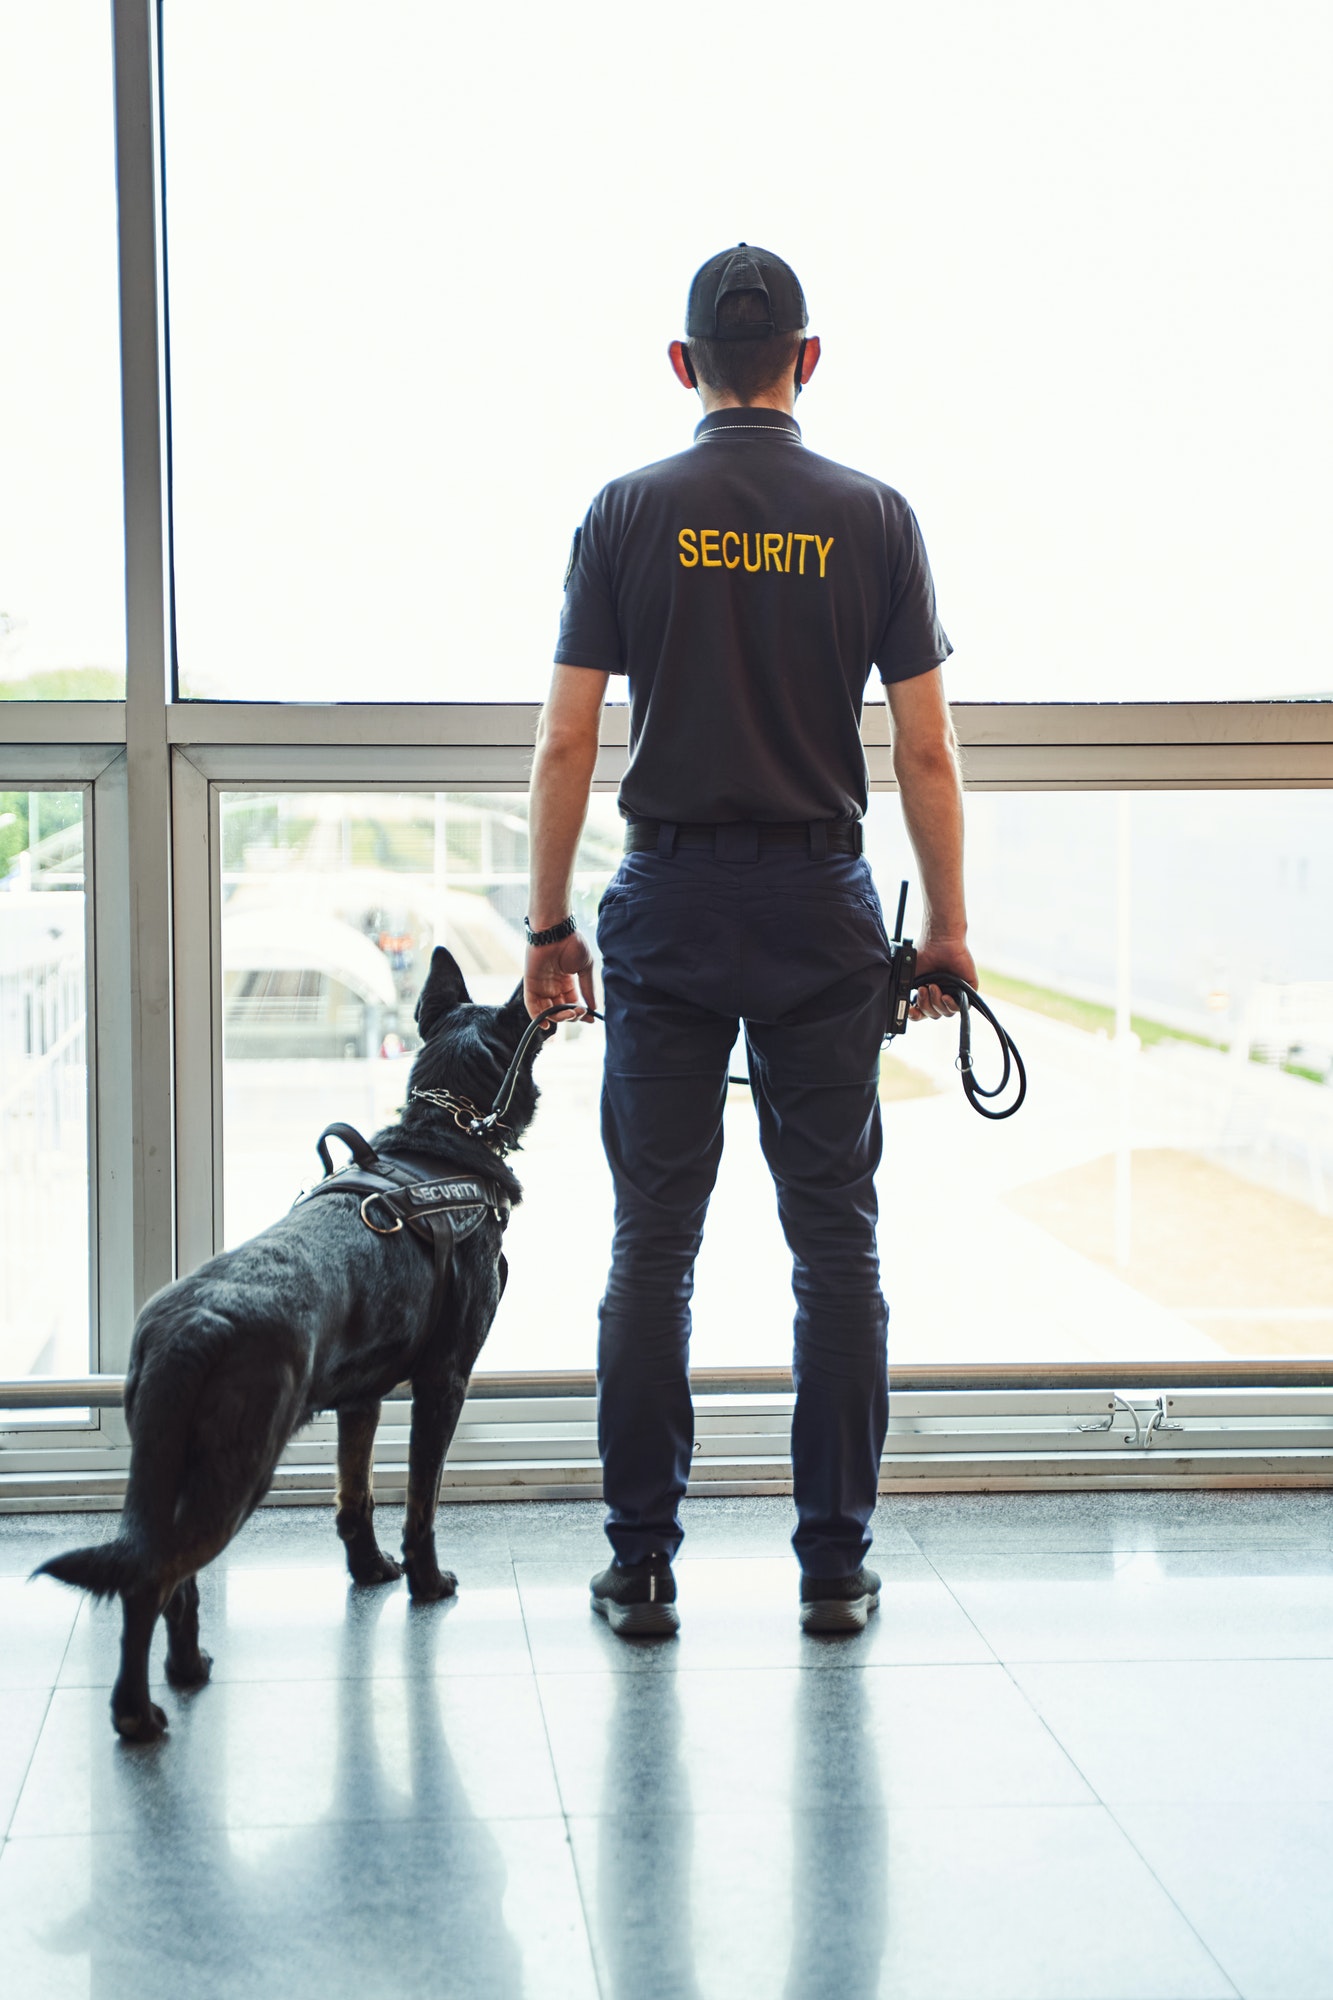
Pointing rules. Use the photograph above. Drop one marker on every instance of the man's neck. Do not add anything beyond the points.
(781, 399)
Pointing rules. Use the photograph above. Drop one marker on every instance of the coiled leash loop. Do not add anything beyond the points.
(904, 984)
(968, 998)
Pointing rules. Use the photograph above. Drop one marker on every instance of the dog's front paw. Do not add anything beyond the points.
(141, 1727)
(428, 1586)
(370, 1566)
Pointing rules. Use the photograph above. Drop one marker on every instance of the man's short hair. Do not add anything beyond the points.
(745, 368)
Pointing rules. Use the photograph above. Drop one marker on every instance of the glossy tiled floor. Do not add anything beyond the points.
(1085, 1752)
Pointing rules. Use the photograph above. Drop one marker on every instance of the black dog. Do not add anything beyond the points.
(319, 1312)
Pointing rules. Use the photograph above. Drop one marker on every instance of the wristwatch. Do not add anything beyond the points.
(554, 934)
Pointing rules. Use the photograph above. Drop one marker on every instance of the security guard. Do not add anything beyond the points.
(745, 588)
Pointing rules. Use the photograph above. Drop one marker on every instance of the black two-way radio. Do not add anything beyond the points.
(902, 971)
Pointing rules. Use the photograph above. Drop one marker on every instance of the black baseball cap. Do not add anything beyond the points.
(744, 269)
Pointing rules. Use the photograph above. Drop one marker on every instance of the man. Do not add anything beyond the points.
(745, 587)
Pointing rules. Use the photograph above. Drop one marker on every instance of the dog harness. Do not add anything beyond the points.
(440, 1213)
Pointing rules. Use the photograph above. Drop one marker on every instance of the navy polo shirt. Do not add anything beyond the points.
(746, 588)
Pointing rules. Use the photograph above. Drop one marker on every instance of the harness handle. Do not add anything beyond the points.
(362, 1152)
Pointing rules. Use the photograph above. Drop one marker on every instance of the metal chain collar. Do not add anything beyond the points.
(467, 1118)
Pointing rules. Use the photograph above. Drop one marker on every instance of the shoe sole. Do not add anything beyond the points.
(638, 1621)
(838, 1614)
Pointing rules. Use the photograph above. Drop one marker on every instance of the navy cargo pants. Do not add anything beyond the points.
(791, 941)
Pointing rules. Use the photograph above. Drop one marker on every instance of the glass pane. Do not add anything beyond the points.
(62, 559)
(425, 262)
(1165, 1193)
(44, 1191)
(1165, 963)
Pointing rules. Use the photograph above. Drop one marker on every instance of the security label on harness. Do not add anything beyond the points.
(427, 1194)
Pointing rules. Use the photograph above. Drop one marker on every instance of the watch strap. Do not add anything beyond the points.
(554, 934)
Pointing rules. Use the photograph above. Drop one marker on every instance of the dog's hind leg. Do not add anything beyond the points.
(436, 1408)
(187, 1666)
(366, 1560)
(135, 1714)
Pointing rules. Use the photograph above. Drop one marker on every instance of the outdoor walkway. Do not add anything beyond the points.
(1083, 1753)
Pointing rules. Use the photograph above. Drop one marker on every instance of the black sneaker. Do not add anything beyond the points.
(638, 1600)
(838, 1603)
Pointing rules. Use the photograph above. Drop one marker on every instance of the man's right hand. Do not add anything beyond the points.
(560, 975)
(940, 955)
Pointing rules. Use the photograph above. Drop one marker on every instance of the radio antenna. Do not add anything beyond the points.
(902, 912)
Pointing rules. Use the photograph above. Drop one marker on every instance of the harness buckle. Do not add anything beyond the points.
(377, 1227)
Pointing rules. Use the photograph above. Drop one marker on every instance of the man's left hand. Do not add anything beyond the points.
(940, 955)
(560, 975)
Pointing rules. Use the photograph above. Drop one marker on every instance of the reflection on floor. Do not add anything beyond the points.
(1082, 1751)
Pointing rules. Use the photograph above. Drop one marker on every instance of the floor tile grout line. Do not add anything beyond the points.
(917, 1810)
(1025, 1697)
(79, 1610)
(1190, 1925)
(27, 1768)
(555, 1775)
(266, 1826)
(1109, 1810)
(964, 1612)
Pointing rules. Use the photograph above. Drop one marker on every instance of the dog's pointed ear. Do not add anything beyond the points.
(515, 1011)
(445, 989)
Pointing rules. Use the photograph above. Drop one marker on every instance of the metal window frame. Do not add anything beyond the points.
(155, 763)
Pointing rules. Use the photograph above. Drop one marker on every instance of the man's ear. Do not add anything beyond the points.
(810, 359)
(682, 366)
(445, 989)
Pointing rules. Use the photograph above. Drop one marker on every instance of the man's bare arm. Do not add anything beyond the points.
(925, 764)
(560, 975)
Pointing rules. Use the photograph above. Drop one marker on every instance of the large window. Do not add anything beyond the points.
(424, 263)
(1069, 272)
(62, 582)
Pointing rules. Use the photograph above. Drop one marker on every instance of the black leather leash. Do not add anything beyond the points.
(969, 1001)
(504, 1096)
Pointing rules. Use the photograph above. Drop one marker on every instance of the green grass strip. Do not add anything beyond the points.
(1089, 1015)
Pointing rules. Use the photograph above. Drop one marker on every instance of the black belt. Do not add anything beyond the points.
(735, 839)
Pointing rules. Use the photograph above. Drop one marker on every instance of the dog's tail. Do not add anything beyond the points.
(126, 1562)
(129, 1560)
(159, 1403)
(103, 1569)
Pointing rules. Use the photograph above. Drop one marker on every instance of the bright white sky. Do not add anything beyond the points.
(1070, 264)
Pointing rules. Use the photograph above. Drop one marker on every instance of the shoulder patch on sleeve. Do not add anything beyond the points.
(573, 556)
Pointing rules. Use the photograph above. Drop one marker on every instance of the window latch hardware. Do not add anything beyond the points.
(1143, 1433)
